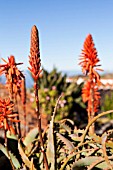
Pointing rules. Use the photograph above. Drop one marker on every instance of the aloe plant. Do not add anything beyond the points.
(66, 147)
(63, 144)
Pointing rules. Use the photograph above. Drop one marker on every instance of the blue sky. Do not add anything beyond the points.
(63, 26)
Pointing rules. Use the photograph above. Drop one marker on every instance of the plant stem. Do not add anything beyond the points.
(92, 127)
(23, 96)
(24, 109)
(39, 125)
(18, 118)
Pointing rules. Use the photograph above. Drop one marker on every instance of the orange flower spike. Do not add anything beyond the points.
(6, 113)
(13, 75)
(89, 63)
(34, 58)
(11, 60)
(89, 55)
(12, 130)
(86, 91)
(35, 64)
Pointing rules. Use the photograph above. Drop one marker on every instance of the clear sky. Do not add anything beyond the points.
(63, 26)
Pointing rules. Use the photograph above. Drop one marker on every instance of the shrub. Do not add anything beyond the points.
(51, 86)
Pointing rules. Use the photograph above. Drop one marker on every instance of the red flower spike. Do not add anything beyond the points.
(89, 63)
(34, 58)
(13, 75)
(6, 113)
(86, 96)
(89, 59)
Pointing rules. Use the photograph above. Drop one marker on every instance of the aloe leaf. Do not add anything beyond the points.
(51, 144)
(30, 137)
(3, 162)
(67, 124)
(11, 136)
(25, 159)
(31, 165)
(68, 144)
(98, 140)
(87, 161)
(12, 141)
(13, 158)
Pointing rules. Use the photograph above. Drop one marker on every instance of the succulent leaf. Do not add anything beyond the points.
(88, 161)
(51, 145)
(25, 159)
(67, 124)
(14, 159)
(69, 144)
(30, 137)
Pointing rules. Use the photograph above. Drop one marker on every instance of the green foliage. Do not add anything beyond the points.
(108, 104)
(14, 159)
(28, 163)
(51, 144)
(30, 136)
(66, 147)
(51, 86)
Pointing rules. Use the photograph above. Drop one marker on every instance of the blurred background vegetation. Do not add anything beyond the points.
(107, 103)
(53, 84)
